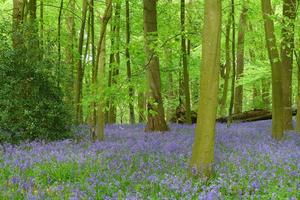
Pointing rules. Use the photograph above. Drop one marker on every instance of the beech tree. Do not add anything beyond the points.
(277, 109)
(238, 98)
(286, 54)
(156, 114)
(202, 159)
(100, 119)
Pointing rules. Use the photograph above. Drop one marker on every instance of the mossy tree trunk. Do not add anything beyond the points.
(277, 109)
(156, 115)
(100, 122)
(286, 53)
(201, 163)
(238, 98)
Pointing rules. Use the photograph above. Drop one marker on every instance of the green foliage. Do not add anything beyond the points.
(31, 103)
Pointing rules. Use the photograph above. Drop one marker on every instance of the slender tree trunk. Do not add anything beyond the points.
(171, 93)
(59, 40)
(277, 109)
(201, 163)
(42, 26)
(33, 43)
(156, 115)
(287, 48)
(128, 65)
(94, 65)
(109, 114)
(187, 103)
(141, 106)
(17, 36)
(116, 66)
(100, 122)
(227, 67)
(70, 49)
(233, 63)
(238, 98)
(80, 72)
(297, 55)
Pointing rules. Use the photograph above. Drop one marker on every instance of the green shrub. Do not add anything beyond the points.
(31, 102)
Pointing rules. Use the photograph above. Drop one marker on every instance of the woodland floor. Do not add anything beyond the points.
(132, 164)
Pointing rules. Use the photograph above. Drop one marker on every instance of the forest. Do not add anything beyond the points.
(149, 99)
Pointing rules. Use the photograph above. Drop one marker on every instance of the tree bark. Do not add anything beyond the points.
(100, 122)
(233, 62)
(186, 87)
(115, 61)
(238, 98)
(156, 116)
(80, 72)
(297, 55)
(70, 49)
(227, 67)
(201, 163)
(277, 109)
(128, 65)
(17, 36)
(286, 53)
(141, 107)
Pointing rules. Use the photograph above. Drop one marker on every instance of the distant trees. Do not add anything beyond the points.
(202, 159)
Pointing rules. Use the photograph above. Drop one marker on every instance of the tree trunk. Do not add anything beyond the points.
(186, 87)
(233, 62)
(80, 72)
(42, 26)
(17, 36)
(297, 55)
(59, 40)
(287, 47)
(202, 159)
(141, 106)
(70, 49)
(94, 64)
(277, 115)
(100, 122)
(33, 40)
(115, 64)
(128, 65)
(156, 116)
(227, 68)
(238, 98)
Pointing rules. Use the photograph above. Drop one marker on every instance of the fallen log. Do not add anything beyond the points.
(248, 116)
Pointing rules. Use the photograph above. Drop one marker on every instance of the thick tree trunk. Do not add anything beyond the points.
(80, 72)
(128, 65)
(156, 115)
(238, 98)
(201, 163)
(186, 85)
(100, 122)
(277, 109)
(287, 48)
(227, 68)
